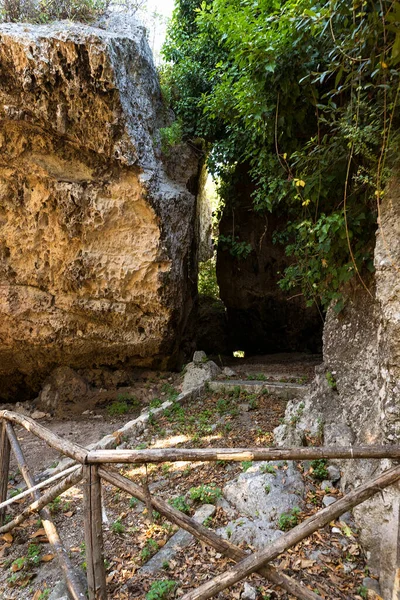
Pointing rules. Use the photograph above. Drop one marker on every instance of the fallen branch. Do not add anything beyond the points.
(240, 454)
(205, 535)
(255, 561)
(72, 479)
(70, 577)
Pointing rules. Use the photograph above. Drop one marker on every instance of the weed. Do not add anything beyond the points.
(267, 488)
(266, 468)
(207, 494)
(180, 504)
(236, 391)
(156, 403)
(18, 564)
(330, 378)
(253, 403)
(296, 416)
(319, 470)
(14, 492)
(33, 554)
(117, 527)
(288, 520)
(44, 594)
(246, 464)
(363, 591)
(118, 407)
(150, 548)
(165, 565)
(170, 391)
(161, 590)
(141, 446)
(207, 522)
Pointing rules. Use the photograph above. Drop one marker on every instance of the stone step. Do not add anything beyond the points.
(288, 391)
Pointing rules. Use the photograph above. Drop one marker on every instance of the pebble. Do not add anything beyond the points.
(37, 414)
(326, 485)
(334, 473)
(328, 500)
(249, 593)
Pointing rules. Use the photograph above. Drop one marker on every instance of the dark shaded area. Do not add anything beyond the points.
(261, 317)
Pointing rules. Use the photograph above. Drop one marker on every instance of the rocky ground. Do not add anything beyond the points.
(253, 503)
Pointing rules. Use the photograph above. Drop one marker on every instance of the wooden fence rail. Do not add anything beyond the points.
(91, 470)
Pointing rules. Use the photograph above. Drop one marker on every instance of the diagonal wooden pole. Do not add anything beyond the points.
(71, 579)
(58, 489)
(205, 535)
(4, 467)
(258, 559)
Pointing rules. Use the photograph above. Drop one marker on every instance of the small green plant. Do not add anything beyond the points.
(118, 407)
(33, 554)
(180, 504)
(117, 527)
(330, 378)
(133, 502)
(319, 470)
(44, 594)
(246, 464)
(208, 494)
(267, 468)
(170, 136)
(19, 563)
(14, 492)
(289, 520)
(236, 391)
(156, 403)
(165, 565)
(150, 548)
(267, 488)
(161, 590)
(363, 591)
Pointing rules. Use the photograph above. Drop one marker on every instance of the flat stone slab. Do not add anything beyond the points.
(177, 542)
(288, 391)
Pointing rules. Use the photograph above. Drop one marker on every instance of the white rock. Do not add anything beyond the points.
(249, 593)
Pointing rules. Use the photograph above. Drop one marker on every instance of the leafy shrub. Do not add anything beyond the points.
(319, 470)
(180, 504)
(161, 590)
(289, 520)
(208, 494)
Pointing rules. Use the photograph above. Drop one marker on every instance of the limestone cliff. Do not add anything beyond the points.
(97, 235)
(355, 396)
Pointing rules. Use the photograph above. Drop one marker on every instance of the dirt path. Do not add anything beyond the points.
(332, 565)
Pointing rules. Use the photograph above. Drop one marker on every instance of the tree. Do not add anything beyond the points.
(304, 94)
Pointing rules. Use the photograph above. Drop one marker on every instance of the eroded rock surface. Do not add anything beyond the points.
(354, 398)
(97, 235)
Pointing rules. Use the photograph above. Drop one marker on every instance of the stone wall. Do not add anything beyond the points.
(97, 233)
(362, 361)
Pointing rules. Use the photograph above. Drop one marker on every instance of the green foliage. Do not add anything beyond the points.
(161, 590)
(246, 464)
(170, 136)
(301, 95)
(330, 378)
(208, 494)
(150, 548)
(319, 469)
(207, 279)
(363, 591)
(266, 468)
(289, 520)
(180, 504)
(117, 527)
(43, 11)
(33, 554)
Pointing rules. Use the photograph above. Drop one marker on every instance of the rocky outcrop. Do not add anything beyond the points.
(262, 318)
(355, 395)
(97, 235)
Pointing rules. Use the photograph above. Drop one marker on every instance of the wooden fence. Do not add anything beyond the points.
(91, 470)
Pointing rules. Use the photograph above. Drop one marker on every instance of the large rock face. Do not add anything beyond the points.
(362, 355)
(97, 235)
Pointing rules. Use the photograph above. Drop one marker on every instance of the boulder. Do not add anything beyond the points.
(198, 372)
(97, 227)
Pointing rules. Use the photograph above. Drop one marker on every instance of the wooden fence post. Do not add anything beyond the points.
(96, 573)
(4, 467)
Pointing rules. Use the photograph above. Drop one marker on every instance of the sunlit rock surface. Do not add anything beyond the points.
(97, 233)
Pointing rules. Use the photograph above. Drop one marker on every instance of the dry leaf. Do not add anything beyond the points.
(38, 533)
(47, 557)
(7, 537)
